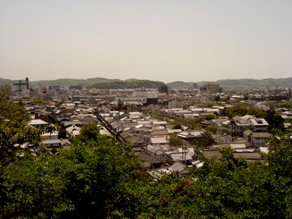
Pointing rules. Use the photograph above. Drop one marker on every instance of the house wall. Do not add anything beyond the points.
(258, 142)
(257, 128)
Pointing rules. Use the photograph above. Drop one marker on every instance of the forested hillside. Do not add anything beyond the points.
(104, 83)
(268, 82)
(131, 83)
(247, 83)
(179, 84)
(101, 178)
(82, 82)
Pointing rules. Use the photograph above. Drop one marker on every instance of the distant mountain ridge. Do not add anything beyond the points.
(130, 83)
(268, 82)
(4, 81)
(179, 84)
(104, 83)
(69, 81)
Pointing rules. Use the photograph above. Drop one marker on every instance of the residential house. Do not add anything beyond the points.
(209, 153)
(222, 139)
(235, 147)
(239, 123)
(73, 130)
(50, 135)
(259, 139)
(174, 132)
(190, 134)
(179, 168)
(219, 122)
(174, 156)
(246, 134)
(159, 141)
(259, 125)
(38, 123)
(52, 143)
(159, 134)
(248, 156)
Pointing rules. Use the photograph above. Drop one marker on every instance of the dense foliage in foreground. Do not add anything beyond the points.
(100, 178)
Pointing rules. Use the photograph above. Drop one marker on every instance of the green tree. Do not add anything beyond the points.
(175, 141)
(62, 132)
(280, 155)
(287, 105)
(236, 110)
(275, 120)
(14, 130)
(210, 117)
(5, 91)
(88, 132)
(204, 140)
(177, 126)
(246, 97)
(50, 129)
(217, 98)
(212, 129)
(83, 182)
(256, 112)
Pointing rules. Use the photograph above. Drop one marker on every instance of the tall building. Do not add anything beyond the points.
(163, 89)
(213, 87)
(20, 85)
(140, 97)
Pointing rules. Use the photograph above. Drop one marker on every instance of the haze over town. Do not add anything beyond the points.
(161, 40)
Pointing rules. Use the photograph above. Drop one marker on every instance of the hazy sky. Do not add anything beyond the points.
(166, 40)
